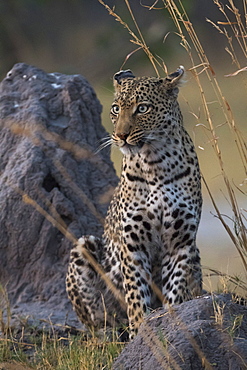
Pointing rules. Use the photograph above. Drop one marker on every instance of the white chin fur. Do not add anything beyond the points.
(129, 149)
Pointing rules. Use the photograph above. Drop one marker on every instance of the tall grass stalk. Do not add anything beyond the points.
(5, 311)
(194, 48)
(200, 66)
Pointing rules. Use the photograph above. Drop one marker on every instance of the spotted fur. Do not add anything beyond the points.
(150, 229)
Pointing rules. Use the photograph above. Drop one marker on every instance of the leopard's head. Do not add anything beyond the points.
(144, 109)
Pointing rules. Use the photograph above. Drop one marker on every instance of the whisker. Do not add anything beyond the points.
(107, 142)
(149, 137)
(104, 140)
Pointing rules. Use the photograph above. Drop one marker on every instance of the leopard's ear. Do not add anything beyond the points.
(172, 80)
(120, 76)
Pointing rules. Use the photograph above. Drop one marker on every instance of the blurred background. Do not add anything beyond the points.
(80, 37)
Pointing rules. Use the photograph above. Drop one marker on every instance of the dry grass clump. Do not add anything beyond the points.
(53, 347)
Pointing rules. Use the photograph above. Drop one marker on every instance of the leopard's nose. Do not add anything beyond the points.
(122, 136)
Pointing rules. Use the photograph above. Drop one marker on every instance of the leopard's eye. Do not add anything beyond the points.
(115, 109)
(142, 108)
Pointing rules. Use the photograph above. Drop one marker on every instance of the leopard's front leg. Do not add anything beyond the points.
(181, 268)
(137, 278)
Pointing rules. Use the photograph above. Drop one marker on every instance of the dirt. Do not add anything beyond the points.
(13, 366)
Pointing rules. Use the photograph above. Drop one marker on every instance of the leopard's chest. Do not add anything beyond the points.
(153, 185)
(152, 182)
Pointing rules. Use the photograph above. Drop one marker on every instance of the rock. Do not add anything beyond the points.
(50, 128)
(205, 333)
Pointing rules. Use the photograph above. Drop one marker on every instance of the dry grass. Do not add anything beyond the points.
(204, 75)
(54, 347)
(235, 35)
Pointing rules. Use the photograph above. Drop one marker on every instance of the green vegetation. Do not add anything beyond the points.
(53, 352)
(46, 349)
(54, 347)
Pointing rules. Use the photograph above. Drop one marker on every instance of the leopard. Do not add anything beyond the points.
(148, 250)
